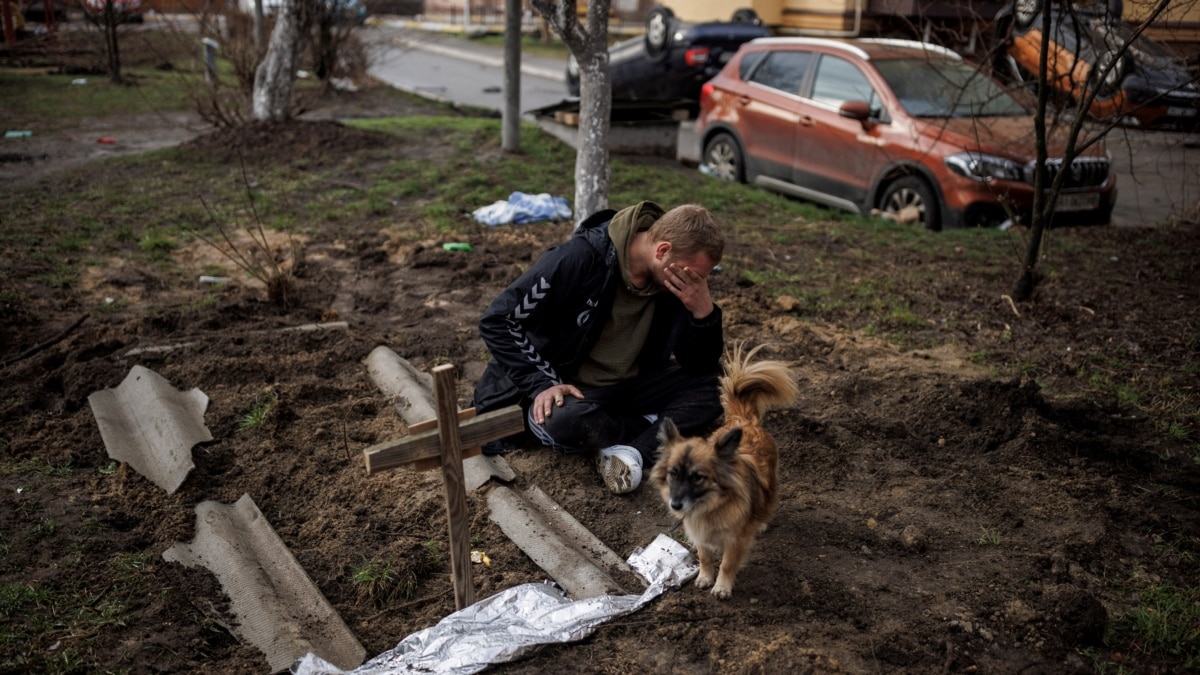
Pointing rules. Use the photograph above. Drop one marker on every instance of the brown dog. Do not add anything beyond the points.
(725, 487)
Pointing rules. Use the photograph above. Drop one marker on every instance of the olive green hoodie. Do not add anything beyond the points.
(614, 357)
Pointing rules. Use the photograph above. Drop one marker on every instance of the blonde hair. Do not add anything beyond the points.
(691, 230)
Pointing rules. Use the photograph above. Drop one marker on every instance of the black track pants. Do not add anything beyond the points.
(616, 414)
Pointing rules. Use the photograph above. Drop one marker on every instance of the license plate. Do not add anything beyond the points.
(1178, 111)
(1083, 201)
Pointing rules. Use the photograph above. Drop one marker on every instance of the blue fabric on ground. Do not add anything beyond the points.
(524, 208)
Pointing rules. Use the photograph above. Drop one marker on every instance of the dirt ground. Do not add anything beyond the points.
(934, 517)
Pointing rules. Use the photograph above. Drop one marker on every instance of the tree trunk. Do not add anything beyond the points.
(592, 173)
(274, 78)
(590, 49)
(1047, 190)
(258, 26)
(324, 50)
(1027, 279)
(112, 46)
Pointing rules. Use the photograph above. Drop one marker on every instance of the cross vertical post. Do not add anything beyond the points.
(452, 475)
(444, 442)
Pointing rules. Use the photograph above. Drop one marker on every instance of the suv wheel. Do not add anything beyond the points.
(909, 192)
(1025, 10)
(1116, 8)
(1111, 83)
(723, 157)
(746, 15)
(658, 30)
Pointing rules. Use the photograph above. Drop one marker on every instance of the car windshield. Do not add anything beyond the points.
(946, 88)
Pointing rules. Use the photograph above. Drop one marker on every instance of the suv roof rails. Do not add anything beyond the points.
(914, 44)
(850, 44)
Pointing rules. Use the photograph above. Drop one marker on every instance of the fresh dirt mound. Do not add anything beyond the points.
(933, 518)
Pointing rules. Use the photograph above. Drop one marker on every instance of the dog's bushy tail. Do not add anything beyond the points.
(750, 388)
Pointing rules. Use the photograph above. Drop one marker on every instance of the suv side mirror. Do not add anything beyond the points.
(858, 110)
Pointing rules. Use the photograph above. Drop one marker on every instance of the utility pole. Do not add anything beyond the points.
(510, 137)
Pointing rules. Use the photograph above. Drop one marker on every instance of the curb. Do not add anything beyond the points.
(464, 54)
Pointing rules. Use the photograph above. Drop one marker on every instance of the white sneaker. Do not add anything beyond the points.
(621, 468)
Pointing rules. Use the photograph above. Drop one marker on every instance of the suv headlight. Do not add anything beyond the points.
(984, 167)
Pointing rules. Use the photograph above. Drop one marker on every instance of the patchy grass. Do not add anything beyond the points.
(1165, 622)
(264, 405)
(157, 66)
(152, 201)
(382, 582)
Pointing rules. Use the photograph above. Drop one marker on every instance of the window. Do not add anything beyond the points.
(748, 62)
(946, 88)
(783, 70)
(838, 81)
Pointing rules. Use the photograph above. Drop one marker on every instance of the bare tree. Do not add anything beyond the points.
(108, 20)
(590, 47)
(273, 80)
(336, 50)
(1046, 187)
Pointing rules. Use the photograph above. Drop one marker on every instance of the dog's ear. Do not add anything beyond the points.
(727, 444)
(668, 433)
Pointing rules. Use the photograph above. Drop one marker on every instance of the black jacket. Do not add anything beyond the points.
(545, 323)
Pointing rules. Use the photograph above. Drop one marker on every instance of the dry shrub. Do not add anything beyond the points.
(331, 50)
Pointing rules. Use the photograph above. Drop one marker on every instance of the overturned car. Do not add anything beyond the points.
(1136, 80)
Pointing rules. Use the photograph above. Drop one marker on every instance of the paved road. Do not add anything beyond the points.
(1158, 173)
(454, 69)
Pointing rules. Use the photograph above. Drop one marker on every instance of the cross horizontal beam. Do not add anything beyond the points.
(473, 433)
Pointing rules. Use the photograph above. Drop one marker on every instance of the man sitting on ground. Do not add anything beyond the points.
(609, 332)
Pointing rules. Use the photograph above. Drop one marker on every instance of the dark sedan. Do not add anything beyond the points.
(1136, 80)
(673, 58)
(35, 11)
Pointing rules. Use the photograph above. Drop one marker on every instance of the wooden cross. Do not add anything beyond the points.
(440, 442)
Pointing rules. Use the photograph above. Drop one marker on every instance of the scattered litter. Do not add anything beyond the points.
(302, 74)
(524, 208)
(478, 557)
(18, 133)
(278, 608)
(80, 81)
(707, 170)
(905, 216)
(152, 426)
(304, 328)
(213, 280)
(515, 622)
(107, 140)
(456, 246)
(1006, 225)
(159, 349)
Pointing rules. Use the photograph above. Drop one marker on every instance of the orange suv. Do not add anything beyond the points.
(893, 125)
